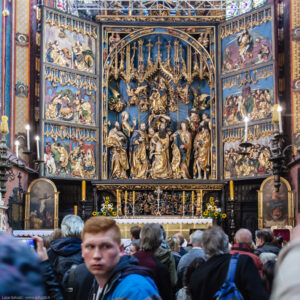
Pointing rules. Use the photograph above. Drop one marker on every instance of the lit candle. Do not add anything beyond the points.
(17, 144)
(37, 138)
(27, 127)
(231, 190)
(75, 210)
(83, 190)
(279, 109)
(246, 129)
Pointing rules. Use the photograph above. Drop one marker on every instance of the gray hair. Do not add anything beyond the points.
(196, 238)
(71, 226)
(267, 256)
(243, 235)
(150, 237)
(214, 242)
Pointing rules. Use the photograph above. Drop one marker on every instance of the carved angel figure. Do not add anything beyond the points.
(134, 94)
(201, 101)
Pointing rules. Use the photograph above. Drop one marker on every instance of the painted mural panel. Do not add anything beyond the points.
(248, 94)
(159, 103)
(69, 97)
(255, 162)
(69, 152)
(247, 41)
(69, 42)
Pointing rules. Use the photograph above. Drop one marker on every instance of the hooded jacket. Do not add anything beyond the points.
(63, 253)
(128, 281)
(165, 256)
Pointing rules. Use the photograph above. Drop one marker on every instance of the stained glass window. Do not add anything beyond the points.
(235, 8)
(258, 3)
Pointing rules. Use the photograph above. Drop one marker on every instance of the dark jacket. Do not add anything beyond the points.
(207, 280)
(63, 253)
(53, 288)
(128, 281)
(164, 255)
(267, 247)
(160, 271)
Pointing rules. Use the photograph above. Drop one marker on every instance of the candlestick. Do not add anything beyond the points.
(75, 210)
(279, 109)
(183, 203)
(193, 199)
(37, 138)
(17, 144)
(246, 129)
(27, 127)
(83, 190)
(126, 197)
(231, 190)
(118, 203)
(133, 202)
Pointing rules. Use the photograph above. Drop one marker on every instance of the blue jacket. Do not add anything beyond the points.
(128, 281)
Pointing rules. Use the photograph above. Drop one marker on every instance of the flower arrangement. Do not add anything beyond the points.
(107, 209)
(211, 211)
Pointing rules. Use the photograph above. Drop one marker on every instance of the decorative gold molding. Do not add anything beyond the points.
(247, 21)
(153, 186)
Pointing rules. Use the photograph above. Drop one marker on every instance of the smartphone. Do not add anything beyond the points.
(30, 242)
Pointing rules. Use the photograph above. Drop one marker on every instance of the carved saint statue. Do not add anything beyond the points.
(182, 140)
(118, 143)
(194, 121)
(137, 150)
(158, 98)
(126, 128)
(202, 144)
(160, 151)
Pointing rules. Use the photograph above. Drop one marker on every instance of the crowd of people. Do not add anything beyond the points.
(89, 261)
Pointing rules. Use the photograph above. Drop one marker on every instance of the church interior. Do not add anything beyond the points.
(183, 113)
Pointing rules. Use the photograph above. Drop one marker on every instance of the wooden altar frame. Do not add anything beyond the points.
(28, 200)
(199, 189)
(290, 202)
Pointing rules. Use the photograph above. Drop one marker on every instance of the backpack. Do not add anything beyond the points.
(229, 290)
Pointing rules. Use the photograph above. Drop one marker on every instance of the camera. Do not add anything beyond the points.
(30, 242)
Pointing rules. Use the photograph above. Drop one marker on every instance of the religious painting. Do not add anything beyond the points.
(69, 152)
(70, 42)
(275, 208)
(248, 94)
(69, 97)
(162, 100)
(256, 161)
(41, 205)
(247, 41)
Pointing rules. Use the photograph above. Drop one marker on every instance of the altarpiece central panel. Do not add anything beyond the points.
(158, 103)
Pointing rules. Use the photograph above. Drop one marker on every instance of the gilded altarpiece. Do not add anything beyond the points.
(247, 91)
(158, 103)
(69, 96)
